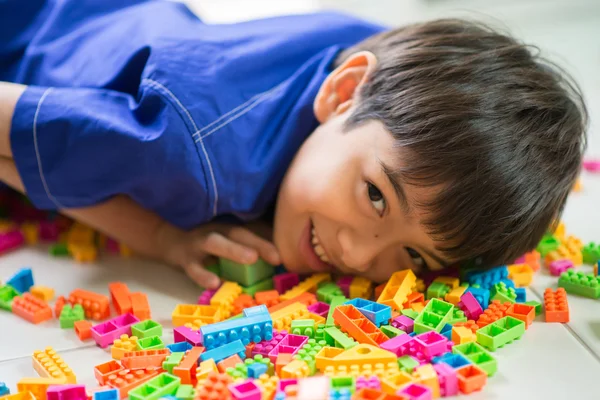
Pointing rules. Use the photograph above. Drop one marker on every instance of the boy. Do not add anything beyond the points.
(413, 148)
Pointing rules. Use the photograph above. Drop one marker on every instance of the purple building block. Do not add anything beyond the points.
(394, 344)
(49, 231)
(344, 283)
(66, 392)
(414, 391)
(559, 266)
(403, 323)
(266, 346)
(319, 308)
(245, 391)
(447, 379)
(432, 343)
(290, 344)
(107, 332)
(11, 241)
(283, 383)
(470, 306)
(369, 383)
(284, 282)
(204, 298)
(185, 334)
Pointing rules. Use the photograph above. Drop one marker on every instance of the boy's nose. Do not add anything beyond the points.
(358, 252)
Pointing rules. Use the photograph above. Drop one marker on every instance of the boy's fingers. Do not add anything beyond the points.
(202, 277)
(266, 249)
(221, 246)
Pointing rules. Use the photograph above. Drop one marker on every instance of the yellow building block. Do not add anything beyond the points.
(317, 318)
(521, 274)
(122, 346)
(31, 232)
(448, 281)
(358, 356)
(419, 286)
(205, 368)
(48, 364)
(418, 307)
(461, 334)
(560, 231)
(190, 313)
(125, 251)
(19, 396)
(453, 296)
(267, 385)
(564, 252)
(195, 325)
(391, 383)
(282, 319)
(426, 375)
(42, 292)
(37, 386)
(83, 252)
(7, 226)
(80, 235)
(308, 285)
(397, 289)
(361, 288)
(225, 296)
(295, 369)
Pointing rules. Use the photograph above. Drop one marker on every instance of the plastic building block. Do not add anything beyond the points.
(48, 364)
(295, 369)
(447, 379)
(305, 298)
(360, 357)
(304, 327)
(83, 329)
(245, 274)
(205, 368)
(146, 328)
(140, 306)
(69, 315)
(245, 391)
(308, 285)
(548, 244)
(106, 394)
(37, 386)
(205, 296)
(494, 312)
(127, 380)
(481, 295)
(521, 295)
(532, 258)
(241, 302)
(261, 286)
(119, 295)
(394, 381)
(215, 386)
(447, 331)
(122, 345)
(336, 301)
(284, 282)
(434, 316)
(96, 306)
(319, 308)
(42, 292)
(437, 290)
(327, 291)
(418, 307)
(335, 337)
(376, 313)
(426, 375)
(559, 266)
(282, 319)
(58, 305)
(3, 389)
(453, 297)
(415, 391)
(471, 378)
(453, 360)
(390, 331)
(376, 394)
(107, 332)
(150, 343)
(225, 296)
(180, 347)
(282, 360)
(185, 392)
(58, 250)
(590, 252)
(255, 325)
(357, 325)
(360, 288)
(172, 361)
(397, 289)
(476, 354)
(581, 284)
(521, 274)
(403, 323)
(503, 293)
(461, 335)
(469, 305)
(184, 334)
(289, 344)
(229, 363)
(22, 280)
(501, 332)
(371, 383)
(144, 358)
(556, 305)
(31, 309)
(449, 281)
(162, 385)
(412, 298)
(536, 304)
(268, 298)
(7, 294)
(66, 392)
(224, 351)
(523, 312)
(185, 313)
(30, 232)
(488, 278)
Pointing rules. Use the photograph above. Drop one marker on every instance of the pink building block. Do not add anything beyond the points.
(559, 266)
(447, 379)
(204, 298)
(112, 246)
(283, 383)
(470, 306)
(107, 332)
(369, 383)
(591, 165)
(185, 334)
(66, 392)
(394, 344)
(284, 282)
(319, 308)
(266, 346)
(245, 391)
(432, 344)
(520, 260)
(344, 283)
(414, 391)
(403, 323)
(290, 344)
(11, 241)
(49, 231)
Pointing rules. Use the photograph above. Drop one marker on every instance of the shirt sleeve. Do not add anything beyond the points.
(76, 147)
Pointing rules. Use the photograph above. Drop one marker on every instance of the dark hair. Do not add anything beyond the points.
(484, 117)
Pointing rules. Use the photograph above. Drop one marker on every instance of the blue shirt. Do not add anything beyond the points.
(191, 120)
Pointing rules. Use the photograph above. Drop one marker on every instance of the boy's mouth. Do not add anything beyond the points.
(313, 251)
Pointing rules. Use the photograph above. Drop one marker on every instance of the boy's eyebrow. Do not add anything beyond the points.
(394, 181)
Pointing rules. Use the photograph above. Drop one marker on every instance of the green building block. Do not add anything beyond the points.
(150, 343)
(304, 327)
(536, 304)
(335, 301)
(457, 316)
(264, 360)
(408, 364)
(164, 384)
(410, 313)
(215, 269)
(69, 315)
(172, 361)
(591, 253)
(146, 329)
(7, 294)
(185, 392)
(308, 352)
(337, 338)
(240, 371)
(547, 244)
(261, 286)
(503, 293)
(477, 355)
(390, 331)
(246, 274)
(343, 382)
(437, 290)
(434, 316)
(500, 332)
(328, 291)
(58, 250)
(579, 283)
(320, 332)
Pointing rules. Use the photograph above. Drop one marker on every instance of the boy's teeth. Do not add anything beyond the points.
(319, 250)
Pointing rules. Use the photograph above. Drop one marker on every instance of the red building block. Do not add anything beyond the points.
(96, 305)
(556, 305)
(140, 305)
(31, 308)
(119, 295)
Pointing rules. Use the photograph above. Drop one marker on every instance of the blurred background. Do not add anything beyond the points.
(567, 31)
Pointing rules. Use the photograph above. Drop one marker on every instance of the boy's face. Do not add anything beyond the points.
(337, 210)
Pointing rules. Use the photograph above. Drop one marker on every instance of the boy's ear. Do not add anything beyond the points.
(339, 91)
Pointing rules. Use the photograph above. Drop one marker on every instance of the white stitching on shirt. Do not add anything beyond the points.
(37, 150)
(174, 98)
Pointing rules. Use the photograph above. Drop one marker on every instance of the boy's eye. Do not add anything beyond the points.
(416, 257)
(376, 198)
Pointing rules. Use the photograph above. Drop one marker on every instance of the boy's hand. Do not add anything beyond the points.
(191, 250)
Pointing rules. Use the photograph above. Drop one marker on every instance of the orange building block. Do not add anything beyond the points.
(471, 378)
(122, 345)
(37, 386)
(470, 324)
(305, 298)
(140, 306)
(126, 379)
(269, 298)
(358, 326)
(462, 334)
(494, 312)
(31, 308)
(414, 297)
(58, 305)
(119, 295)
(229, 362)
(214, 387)
(379, 289)
(144, 358)
(83, 329)
(103, 371)
(243, 301)
(524, 312)
(186, 369)
(96, 306)
(556, 305)
(375, 394)
(281, 361)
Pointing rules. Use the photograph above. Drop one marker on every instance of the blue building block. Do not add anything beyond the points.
(227, 350)
(413, 333)
(255, 325)
(3, 389)
(487, 278)
(377, 313)
(521, 295)
(22, 280)
(481, 295)
(256, 369)
(169, 397)
(454, 360)
(179, 347)
(508, 282)
(447, 332)
(279, 396)
(109, 394)
(340, 394)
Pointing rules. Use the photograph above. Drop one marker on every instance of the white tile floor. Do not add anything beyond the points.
(552, 361)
